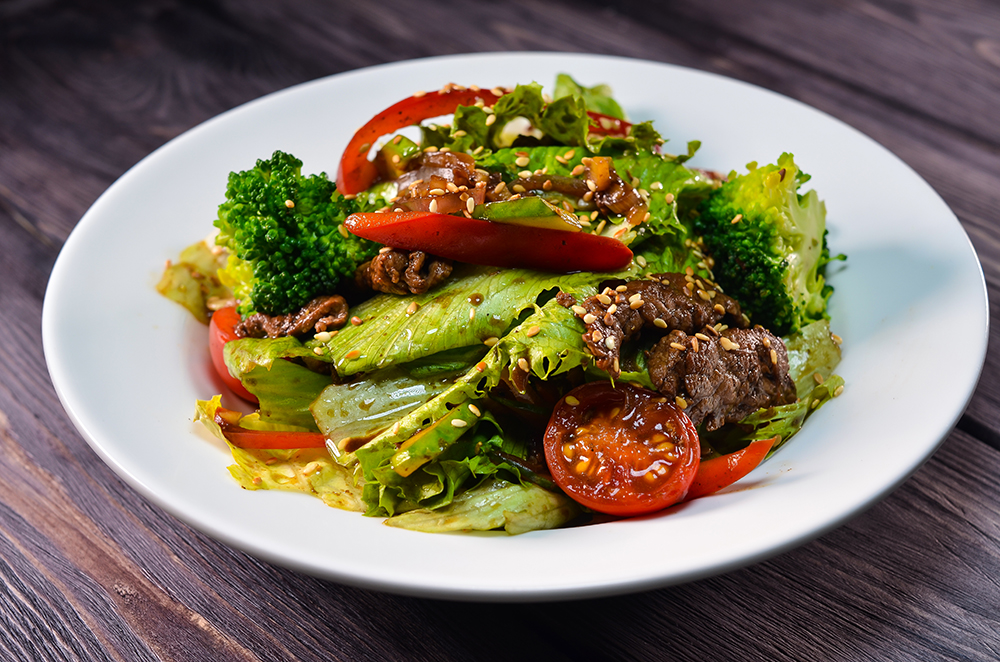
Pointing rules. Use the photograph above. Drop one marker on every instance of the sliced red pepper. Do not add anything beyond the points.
(490, 243)
(356, 173)
(264, 439)
(606, 125)
(719, 472)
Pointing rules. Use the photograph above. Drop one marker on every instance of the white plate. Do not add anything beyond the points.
(128, 364)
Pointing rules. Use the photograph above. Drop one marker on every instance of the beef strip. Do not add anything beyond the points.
(320, 314)
(665, 301)
(722, 378)
(396, 271)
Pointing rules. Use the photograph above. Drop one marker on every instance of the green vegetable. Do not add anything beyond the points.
(533, 211)
(192, 282)
(769, 245)
(283, 233)
(491, 505)
(597, 98)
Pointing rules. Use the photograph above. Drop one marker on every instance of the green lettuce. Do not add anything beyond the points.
(308, 470)
(418, 326)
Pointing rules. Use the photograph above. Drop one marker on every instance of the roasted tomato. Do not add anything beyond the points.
(220, 331)
(621, 450)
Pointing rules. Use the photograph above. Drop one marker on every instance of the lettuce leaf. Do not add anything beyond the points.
(285, 389)
(491, 505)
(192, 282)
(597, 98)
(307, 470)
(393, 332)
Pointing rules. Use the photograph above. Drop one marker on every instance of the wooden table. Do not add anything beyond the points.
(90, 570)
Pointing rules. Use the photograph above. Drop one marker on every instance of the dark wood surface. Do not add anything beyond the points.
(90, 570)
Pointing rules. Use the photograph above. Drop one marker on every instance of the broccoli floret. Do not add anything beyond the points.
(285, 237)
(769, 245)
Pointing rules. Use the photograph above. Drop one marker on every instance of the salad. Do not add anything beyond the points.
(530, 315)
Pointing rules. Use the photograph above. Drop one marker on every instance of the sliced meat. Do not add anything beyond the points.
(722, 378)
(402, 272)
(664, 302)
(320, 314)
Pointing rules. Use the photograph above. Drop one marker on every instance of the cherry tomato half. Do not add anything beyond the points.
(220, 331)
(621, 449)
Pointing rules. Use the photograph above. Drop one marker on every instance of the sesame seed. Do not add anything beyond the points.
(458, 423)
(472, 314)
(419, 94)
(600, 227)
(412, 308)
(612, 309)
(677, 345)
(704, 295)
(634, 297)
(681, 402)
(522, 161)
(737, 219)
(517, 188)
(470, 204)
(588, 196)
(591, 185)
(323, 336)
(384, 249)
(641, 261)
(570, 154)
(838, 391)
(694, 345)
(659, 323)
(596, 335)
(702, 336)
(475, 410)
(604, 298)
(774, 357)
(290, 204)
(669, 198)
(497, 91)
(436, 191)
(719, 309)
(814, 403)
(490, 119)
(451, 187)
(395, 158)
(433, 206)
(533, 331)
(637, 304)
(656, 186)
(318, 351)
(818, 378)
(767, 343)
(571, 401)
(342, 230)
(560, 159)
(547, 185)
(579, 310)
(578, 170)
(589, 318)
(837, 339)
(353, 354)
(609, 342)
(522, 363)
(728, 344)
(492, 340)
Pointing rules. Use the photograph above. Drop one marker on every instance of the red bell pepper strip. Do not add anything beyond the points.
(606, 125)
(356, 173)
(490, 243)
(719, 472)
(264, 439)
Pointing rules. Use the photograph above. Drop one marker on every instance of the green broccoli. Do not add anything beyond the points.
(285, 236)
(769, 245)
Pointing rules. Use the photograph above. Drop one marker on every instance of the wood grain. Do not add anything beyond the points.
(89, 570)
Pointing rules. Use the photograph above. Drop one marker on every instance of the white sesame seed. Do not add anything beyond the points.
(609, 342)
(522, 363)
(490, 119)
(659, 323)
(589, 318)
(433, 206)
(458, 423)
(571, 401)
